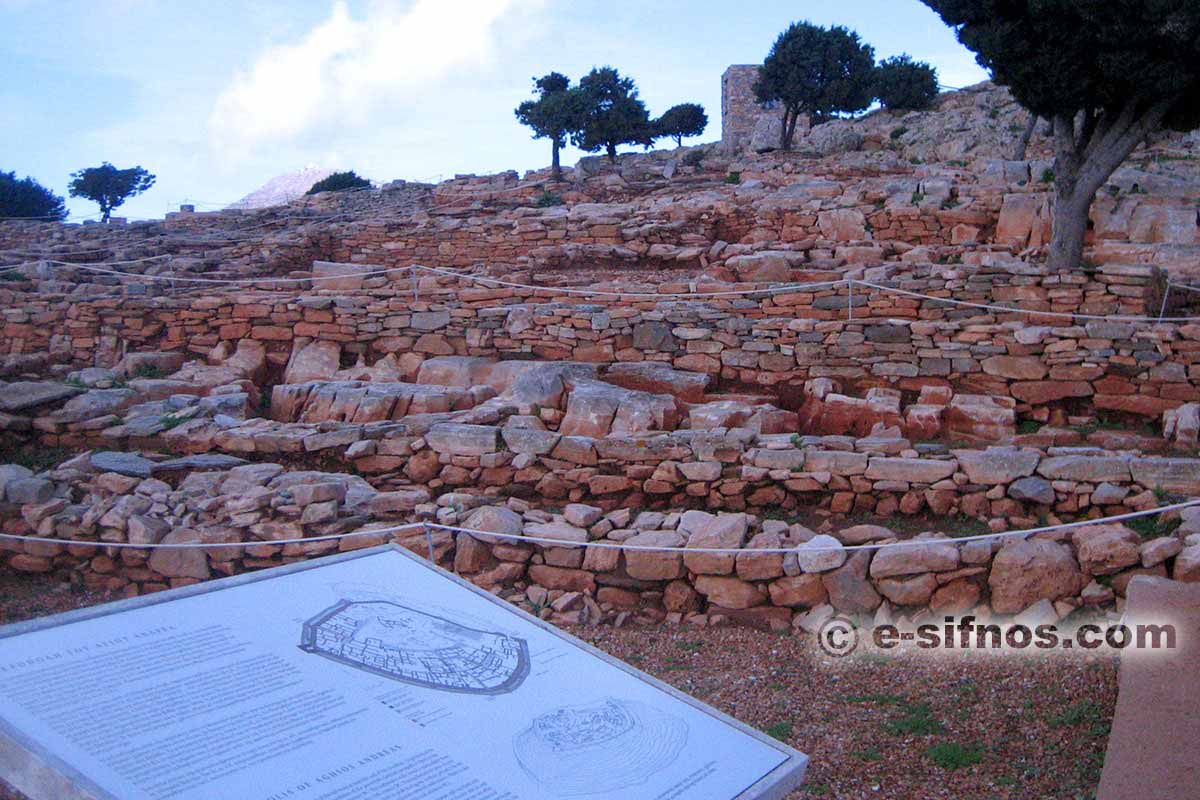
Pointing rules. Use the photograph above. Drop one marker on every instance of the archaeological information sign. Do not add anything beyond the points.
(367, 676)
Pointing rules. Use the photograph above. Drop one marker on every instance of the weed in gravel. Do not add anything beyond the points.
(917, 720)
(1077, 714)
(690, 647)
(817, 789)
(868, 755)
(780, 730)
(952, 755)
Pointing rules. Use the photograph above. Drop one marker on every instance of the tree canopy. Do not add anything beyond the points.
(685, 119)
(554, 115)
(1106, 73)
(28, 199)
(340, 182)
(902, 84)
(821, 72)
(612, 114)
(108, 186)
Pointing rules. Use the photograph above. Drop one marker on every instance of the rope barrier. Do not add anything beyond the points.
(1010, 310)
(548, 541)
(849, 282)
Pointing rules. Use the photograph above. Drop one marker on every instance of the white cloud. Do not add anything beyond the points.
(345, 68)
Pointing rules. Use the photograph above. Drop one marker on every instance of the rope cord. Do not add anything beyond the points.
(615, 545)
(849, 282)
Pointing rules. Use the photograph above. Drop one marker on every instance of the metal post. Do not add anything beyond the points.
(429, 541)
(850, 299)
(412, 271)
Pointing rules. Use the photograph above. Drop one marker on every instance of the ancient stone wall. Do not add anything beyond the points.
(860, 338)
(576, 568)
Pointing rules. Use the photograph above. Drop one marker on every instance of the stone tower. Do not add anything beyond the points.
(740, 112)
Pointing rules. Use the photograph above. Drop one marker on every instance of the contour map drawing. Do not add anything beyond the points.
(390, 639)
(599, 747)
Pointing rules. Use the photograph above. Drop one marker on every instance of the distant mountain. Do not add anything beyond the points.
(283, 189)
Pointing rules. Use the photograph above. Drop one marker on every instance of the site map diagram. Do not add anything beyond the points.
(395, 641)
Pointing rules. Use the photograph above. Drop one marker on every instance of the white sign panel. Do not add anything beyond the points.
(370, 676)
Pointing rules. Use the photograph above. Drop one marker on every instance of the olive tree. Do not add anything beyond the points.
(685, 119)
(108, 186)
(554, 115)
(611, 113)
(821, 72)
(1105, 73)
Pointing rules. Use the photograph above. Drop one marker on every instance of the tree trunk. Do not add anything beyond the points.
(1089, 147)
(612, 153)
(1022, 147)
(555, 168)
(788, 129)
(1072, 205)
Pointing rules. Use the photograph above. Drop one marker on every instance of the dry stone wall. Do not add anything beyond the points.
(860, 339)
(781, 575)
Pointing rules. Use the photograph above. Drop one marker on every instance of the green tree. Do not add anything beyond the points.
(108, 186)
(28, 199)
(685, 119)
(902, 84)
(340, 182)
(821, 72)
(611, 113)
(554, 115)
(1105, 73)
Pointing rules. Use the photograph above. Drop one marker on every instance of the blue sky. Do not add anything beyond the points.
(217, 97)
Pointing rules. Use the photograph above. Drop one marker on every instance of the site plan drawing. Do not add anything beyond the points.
(600, 747)
(411, 646)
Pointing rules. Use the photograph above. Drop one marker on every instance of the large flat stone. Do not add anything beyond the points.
(463, 440)
(1093, 469)
(1180, 475)
(659, 378)
(912, 470)
(130, 464)
(997, 465)
(22, 395)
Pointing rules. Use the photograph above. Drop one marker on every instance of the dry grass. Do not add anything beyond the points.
(874, 727)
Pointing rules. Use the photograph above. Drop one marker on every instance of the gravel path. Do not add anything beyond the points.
(905, 727)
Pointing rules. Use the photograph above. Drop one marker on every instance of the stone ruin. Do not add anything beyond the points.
(831, 351)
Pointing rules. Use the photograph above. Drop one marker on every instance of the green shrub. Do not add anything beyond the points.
(733, 177)
(340, 182)
(898, 132)
(549, 199)
(28, 198)
(902, 84)
(952, 755)
(781, 731)
(1047, 175)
